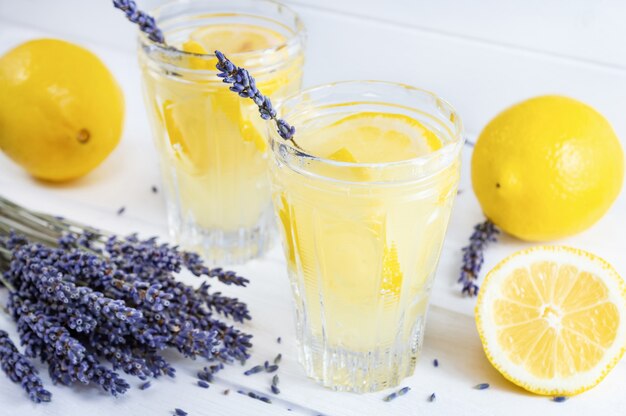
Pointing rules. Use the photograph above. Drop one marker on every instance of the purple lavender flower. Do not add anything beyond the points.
(473, 255)
(20, 370)
(55, 337)
(80, 295)
(68, 360)
(145, 22)
(244, 84)
(229, 307)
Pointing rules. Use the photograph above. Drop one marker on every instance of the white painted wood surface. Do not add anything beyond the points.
(481, 56)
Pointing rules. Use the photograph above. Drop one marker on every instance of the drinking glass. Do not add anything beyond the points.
(362, 240)
(211, 143)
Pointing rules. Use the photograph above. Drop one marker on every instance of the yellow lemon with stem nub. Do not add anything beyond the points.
(553, 319)
(547, 168)
(62, 111)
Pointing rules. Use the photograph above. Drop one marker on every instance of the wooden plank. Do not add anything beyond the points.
(126, 177)
(578, 29)
(478, 78)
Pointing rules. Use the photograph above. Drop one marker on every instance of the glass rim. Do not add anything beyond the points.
(296, 151)
(296, 39)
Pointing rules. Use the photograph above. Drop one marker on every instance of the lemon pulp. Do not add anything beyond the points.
(551, 319)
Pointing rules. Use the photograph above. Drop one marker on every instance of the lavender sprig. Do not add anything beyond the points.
(473, 255)
(145, 22)
(244, 84)
(80, 295)
(20, 370)
(240, 79)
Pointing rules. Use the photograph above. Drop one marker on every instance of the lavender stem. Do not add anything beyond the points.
(473, 255)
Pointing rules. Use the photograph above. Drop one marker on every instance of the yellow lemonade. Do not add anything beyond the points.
(211, 141)
(362, 236)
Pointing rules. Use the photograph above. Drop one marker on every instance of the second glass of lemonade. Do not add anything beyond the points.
(211, 143)
(363, 195)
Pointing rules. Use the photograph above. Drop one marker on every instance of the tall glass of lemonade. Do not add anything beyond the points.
(211, 143)
(363, 195)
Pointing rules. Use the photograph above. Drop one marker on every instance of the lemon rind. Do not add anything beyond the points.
(581, 382)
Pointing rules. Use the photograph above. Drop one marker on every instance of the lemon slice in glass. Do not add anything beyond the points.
(370, 137)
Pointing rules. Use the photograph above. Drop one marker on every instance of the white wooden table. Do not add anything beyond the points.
(481, 59)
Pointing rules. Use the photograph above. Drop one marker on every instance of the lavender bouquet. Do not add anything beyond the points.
(82, 298)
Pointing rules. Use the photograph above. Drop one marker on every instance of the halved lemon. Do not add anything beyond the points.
(553, 319)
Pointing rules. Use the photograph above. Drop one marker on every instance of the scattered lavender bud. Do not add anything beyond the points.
(403, 391)
(272, 368)
(396, 394)
(254, 370)
(121, 210)
(266, 364)
(432, 397)
(154, 189)
(278, 359)
(559, 399)
(207, 373)
(481, 386)
(145, 385)
(275, 380)
(203, 384)
(473, 255)
(275, 389)
(226, 392)
(390, 397)
(279, 340)
(253, 395)
(180, 412)
(436, 362)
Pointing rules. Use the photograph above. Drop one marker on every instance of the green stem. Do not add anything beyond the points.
(5, 282)
(47, 221)
(23, 216)
(6, 227)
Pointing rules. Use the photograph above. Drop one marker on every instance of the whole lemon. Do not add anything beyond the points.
(547, 168)
(61, 110)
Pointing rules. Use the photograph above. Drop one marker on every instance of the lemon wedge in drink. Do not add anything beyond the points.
(553, 319)
(369, 137)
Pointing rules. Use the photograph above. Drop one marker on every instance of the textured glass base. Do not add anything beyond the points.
(341, 369)
(220, 247)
